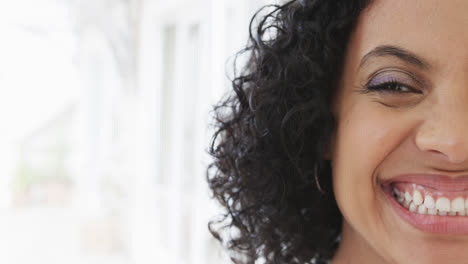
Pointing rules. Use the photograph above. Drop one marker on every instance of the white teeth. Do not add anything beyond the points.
(417, 197)
(417, 203)
(408, 197)
(406, 204)
(429, 202)
(458, 205)
(443, 204)
(422, 209)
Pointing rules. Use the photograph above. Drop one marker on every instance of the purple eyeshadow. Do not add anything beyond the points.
(381, 79)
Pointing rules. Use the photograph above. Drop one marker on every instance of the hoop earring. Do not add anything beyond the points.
(317, 183)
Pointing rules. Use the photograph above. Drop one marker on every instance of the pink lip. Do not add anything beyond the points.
(441, 183)
(454, 225)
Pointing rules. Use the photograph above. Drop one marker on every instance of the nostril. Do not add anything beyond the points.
(439, 154)
(435, 151)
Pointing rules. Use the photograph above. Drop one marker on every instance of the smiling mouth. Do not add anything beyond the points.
(431, 203)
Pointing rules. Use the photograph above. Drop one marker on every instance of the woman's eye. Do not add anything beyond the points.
(391, 87)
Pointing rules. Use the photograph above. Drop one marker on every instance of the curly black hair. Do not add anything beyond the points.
(270, 170)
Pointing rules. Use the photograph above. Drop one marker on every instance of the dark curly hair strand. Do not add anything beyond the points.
(272, 134)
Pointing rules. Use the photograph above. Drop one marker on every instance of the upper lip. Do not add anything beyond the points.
(434, 181)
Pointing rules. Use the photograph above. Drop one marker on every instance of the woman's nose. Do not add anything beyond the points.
(444, 132)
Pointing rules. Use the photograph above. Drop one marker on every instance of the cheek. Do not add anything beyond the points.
(366, 134)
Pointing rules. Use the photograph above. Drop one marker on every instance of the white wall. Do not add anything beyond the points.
(134, 82)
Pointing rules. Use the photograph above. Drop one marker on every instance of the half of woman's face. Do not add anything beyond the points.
(402, 127)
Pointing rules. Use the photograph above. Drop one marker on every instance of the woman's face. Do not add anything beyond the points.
(402, 124)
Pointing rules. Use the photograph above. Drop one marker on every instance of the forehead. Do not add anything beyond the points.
(435, 29)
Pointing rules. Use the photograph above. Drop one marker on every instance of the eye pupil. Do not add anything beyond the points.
(397, 87)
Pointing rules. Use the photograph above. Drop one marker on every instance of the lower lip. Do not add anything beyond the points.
(429, 223)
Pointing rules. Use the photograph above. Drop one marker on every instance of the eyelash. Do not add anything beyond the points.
(391, 87)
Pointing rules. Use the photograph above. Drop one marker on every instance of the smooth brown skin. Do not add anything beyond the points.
(380, 135)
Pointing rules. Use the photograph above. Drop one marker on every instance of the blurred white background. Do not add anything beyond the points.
(104, 112)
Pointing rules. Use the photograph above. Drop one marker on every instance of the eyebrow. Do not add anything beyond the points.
(400, 53)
